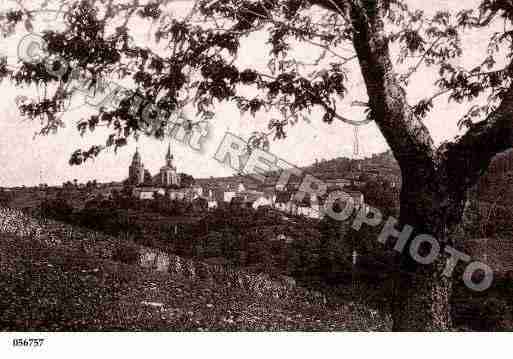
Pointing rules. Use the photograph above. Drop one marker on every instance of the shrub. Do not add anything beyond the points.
(126, 253)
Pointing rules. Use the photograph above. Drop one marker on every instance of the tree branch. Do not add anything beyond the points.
(468, 157)
(407, 136)
(405, 133)
(339, 6)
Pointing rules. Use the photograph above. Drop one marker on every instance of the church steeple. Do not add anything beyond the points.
(169, 156)
(136, 169)
(168, 175)
(137, 156)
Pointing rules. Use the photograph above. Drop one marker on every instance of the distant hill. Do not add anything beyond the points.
(381, 165)
(495, 185)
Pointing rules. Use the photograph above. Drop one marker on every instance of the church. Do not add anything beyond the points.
(167, 177)
(136, 170)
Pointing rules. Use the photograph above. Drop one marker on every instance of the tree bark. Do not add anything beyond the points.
(421, 301)
(422, 293)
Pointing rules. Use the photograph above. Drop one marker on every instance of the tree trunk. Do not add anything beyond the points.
(421, 300)
(434, 180)
(422, 293)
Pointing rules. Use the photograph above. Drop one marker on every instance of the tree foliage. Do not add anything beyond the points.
(192, 57)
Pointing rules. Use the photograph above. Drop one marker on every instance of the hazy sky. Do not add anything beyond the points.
(24, 158)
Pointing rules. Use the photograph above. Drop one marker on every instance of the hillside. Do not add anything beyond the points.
(496, 186)
(68, 279)
(381, 165)
(52, 289)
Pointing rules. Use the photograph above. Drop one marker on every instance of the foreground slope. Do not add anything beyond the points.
(50, 288)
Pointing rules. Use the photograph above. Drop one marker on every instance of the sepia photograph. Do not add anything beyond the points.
(255, 166)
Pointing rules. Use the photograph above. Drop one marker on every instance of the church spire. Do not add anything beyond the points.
(137, 156)
(169, 156)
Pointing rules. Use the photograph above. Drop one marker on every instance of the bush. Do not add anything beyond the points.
(127, 253)
(59, 209)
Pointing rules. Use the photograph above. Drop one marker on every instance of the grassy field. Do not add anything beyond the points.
(49, 288)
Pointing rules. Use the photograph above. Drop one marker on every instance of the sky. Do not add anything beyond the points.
(26, 159)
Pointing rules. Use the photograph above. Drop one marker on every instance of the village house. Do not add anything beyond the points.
(147, 192)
